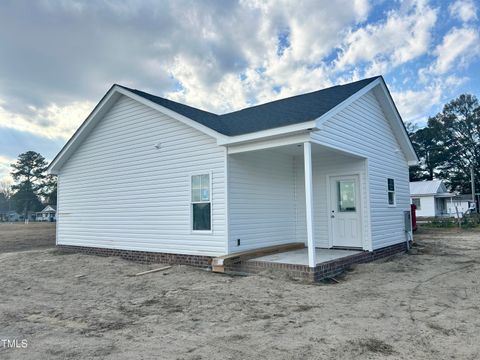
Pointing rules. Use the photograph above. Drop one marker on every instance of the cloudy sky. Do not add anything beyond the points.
(58, 58)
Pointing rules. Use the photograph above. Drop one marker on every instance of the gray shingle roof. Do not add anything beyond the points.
(289, 111)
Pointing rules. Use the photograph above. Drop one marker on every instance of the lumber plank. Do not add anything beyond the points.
(218, 263)
(152, 271)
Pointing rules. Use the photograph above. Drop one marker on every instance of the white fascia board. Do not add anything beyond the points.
(270, 133)
(187, 121)
(268, 143)
(329, 114)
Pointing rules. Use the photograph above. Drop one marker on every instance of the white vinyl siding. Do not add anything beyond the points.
(261, 199)
(428, 206)
(362, 128)
(119, 191)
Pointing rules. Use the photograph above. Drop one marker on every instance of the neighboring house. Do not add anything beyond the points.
(461, 203)
(431, 198)
(10, 216)
(47, 214)
(328, 169)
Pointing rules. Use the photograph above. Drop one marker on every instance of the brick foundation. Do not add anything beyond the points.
(144, 257)
(321, 271)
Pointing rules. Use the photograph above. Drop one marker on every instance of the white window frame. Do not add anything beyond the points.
(191, 202)
(394, 191)
(419, 207)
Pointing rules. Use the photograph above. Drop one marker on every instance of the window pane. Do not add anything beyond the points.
(196, 195)
(205, 194)
(346, 196)
(201, 216)
(205, 187)
(391, 185)
(196, 181)
(391, 198)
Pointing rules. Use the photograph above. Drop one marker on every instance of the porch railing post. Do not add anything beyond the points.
(307, 157)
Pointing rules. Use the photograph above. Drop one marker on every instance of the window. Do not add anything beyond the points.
(417, 203)
(201, 203)
(391, 192)
(346, 196)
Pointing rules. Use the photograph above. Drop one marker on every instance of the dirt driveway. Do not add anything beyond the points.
(419, 306)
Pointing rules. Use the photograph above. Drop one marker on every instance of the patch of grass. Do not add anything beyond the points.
(470, 221)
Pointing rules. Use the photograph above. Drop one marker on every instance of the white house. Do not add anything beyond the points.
(10, 215)
(328, 169)
(431, 198)
(461, 203)
(47, 214)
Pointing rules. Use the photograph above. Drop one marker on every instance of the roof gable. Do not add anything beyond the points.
(49, 208)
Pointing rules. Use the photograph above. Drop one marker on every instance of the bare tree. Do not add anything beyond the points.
(6, 192)
(6, 188)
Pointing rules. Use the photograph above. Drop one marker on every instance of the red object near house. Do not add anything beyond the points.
(413, 211)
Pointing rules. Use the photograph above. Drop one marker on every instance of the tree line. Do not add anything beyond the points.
(33, 188)
(448, 147)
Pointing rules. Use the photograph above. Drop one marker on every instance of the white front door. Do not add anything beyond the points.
(345, 211)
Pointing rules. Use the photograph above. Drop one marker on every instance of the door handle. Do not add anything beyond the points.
(333, 214)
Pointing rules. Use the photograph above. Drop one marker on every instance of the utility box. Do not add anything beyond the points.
(407, 216)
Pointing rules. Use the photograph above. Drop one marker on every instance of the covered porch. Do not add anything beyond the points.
(297, 191)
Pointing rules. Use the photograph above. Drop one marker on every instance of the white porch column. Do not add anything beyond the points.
(307, 158)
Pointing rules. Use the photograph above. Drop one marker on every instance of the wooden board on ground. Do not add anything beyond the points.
(152, 271)
(218, 263)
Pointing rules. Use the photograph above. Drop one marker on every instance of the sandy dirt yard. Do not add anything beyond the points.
(424, 305)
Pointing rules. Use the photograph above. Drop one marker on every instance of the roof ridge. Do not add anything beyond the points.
(303, 94)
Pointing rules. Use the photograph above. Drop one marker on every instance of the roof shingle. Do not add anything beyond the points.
(283, 112)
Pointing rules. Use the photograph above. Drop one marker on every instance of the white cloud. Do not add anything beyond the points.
(402, 37)
(218, 56)
(52, 121)
(465, 10)
(412, 104)
(416, 105)
(312, 34)
(458, 48)
(5, 168)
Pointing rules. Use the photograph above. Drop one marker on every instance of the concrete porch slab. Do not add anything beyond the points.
(300, 257)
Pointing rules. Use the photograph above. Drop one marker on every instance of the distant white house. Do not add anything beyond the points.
(328, 169)
(431, 198)
(47, 214)
(461, 203)
(10, 216)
